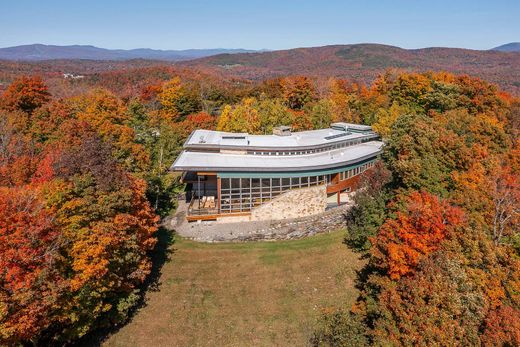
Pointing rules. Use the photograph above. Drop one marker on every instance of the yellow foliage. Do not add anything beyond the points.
(170, 94)
(241, 118)
(386, 118)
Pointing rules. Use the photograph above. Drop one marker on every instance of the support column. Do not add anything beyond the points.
(339, 197)
(218, 193)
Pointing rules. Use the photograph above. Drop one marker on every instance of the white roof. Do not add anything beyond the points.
(309, 138)
(207, 161)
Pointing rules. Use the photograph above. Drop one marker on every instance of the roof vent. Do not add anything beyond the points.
(282, 130)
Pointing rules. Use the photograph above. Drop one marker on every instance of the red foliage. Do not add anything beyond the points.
(150, 92)
(25, 94)
(28, 249)
(502, 327)
(414, 233)
(201, 120)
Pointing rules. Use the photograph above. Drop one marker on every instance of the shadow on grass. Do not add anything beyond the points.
(160, 255)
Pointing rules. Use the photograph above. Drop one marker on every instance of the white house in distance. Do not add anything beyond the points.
(238, 176)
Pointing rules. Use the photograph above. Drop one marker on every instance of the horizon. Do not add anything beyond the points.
(251, 49)
(257, 25)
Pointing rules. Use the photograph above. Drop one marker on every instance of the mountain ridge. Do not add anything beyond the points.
(364, 62)
(38, 51)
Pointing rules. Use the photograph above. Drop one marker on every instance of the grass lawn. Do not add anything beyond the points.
(243, 294)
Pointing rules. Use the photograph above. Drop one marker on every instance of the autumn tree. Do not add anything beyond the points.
(272, 113)
(505, 192)
(502, 327)
(103, 213)
(438, 305)
(385, 119)
(368, 212)
(415, 232)
(108, 115)
(320, 113)
(25, 94)
(169, 96)
(345, 101)
(30, 281)
(240, 118)
(298, 91)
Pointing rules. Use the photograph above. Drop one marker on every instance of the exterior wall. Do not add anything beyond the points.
(293, 204)
(265, 196)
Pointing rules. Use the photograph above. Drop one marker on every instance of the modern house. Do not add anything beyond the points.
(283, 175)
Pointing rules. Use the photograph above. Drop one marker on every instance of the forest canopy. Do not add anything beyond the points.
(84, 180)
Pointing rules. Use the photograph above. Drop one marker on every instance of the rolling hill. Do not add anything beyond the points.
(47, 52)
(363, 62)
(508, 47)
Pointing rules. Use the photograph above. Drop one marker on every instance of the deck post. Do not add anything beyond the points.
(198, 189)
(218, 193)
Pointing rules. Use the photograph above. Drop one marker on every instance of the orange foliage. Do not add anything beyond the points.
(297, 91)
(201, 120)
(29, 284)
(502, 327)
(414, 233)
(25, 94)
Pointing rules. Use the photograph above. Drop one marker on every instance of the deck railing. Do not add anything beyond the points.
(195, 208)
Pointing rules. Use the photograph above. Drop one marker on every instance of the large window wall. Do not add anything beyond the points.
(243, 194)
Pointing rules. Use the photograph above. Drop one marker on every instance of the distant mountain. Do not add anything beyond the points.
(508, 47)
(363, 62)
(47, 52)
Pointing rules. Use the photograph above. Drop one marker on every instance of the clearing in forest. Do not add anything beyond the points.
(238, 294)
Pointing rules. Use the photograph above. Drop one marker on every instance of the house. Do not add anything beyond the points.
(238, 176)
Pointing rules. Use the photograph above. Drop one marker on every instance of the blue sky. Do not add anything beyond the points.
(255, 24)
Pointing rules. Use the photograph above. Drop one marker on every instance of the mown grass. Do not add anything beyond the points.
(243, 294)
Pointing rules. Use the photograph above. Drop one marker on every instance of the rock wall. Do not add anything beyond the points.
(328, 221)
(242, 229)
(295, 203)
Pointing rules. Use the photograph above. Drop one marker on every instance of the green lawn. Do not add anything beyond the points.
(238, 294)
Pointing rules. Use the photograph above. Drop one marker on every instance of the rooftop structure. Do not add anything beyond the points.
(237, 173)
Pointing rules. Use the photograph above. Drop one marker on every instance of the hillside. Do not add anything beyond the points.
(363, 62)
(46, 52)
(509, 47)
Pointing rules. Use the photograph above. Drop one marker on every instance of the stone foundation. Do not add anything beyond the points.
(241, 231)
(295, 203)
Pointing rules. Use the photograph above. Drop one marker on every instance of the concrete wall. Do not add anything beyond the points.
(295, 203)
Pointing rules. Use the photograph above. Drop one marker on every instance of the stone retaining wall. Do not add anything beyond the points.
(328, 221)
(295, 203)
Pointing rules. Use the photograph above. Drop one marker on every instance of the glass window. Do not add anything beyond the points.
(235, 183)
(255, 182)
(246, 183)
(224, 183)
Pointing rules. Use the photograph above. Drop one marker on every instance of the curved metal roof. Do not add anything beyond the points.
(222, 162)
